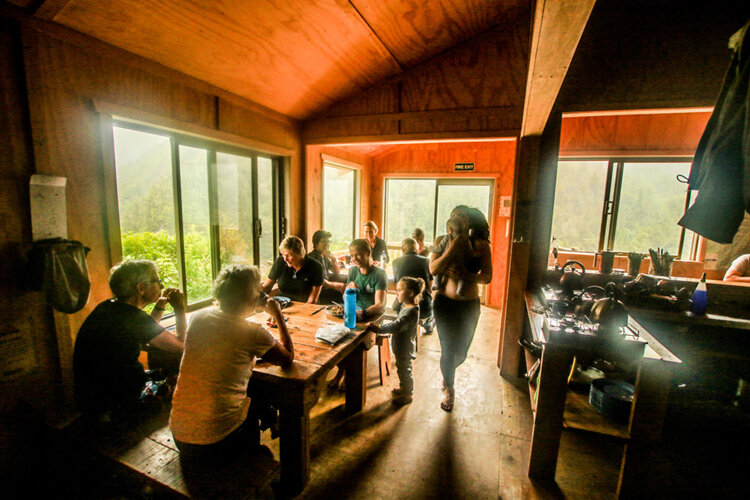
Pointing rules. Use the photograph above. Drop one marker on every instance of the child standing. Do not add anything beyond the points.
(404, 334)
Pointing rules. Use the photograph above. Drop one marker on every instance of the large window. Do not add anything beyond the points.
(427, 204)
(340, 204)
(194, 206)
(620, 205)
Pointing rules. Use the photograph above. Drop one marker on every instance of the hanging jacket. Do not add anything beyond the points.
(721, 167)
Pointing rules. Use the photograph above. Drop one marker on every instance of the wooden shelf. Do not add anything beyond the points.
(579, 414)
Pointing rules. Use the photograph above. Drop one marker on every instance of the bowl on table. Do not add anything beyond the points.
(335, 310)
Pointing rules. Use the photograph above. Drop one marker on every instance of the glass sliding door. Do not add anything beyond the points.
(450, 194)
(266, 228)
(235, 209)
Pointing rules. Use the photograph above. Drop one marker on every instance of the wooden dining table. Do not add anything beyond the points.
(294, 390)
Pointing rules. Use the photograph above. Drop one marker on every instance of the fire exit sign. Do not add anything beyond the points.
(463, 167)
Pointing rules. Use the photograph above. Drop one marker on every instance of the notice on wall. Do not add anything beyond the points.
(17, 356)
(463, 167)
(506, 203)
(49, 216)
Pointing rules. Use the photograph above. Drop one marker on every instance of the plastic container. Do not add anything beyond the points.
(350, 307)
(699, 302)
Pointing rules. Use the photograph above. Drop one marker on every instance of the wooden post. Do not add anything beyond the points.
(356, 380)
(550, 405)
(294, 443)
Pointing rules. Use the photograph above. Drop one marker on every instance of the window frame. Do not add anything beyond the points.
(439, 181)
(357, 200)
(612, 193)
(212, 148)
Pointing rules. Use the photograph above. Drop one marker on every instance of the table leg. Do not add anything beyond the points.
(550, 406)
(646, 420)
(356, 380)
(294, 444)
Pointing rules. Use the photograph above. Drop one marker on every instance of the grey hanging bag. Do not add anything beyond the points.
(58, 266)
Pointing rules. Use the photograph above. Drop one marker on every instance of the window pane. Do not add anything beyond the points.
(143, 163)
(235, 209)
(339, 186)
(196, 222)
(450, 196)
(410, 204)
(579, 195)
(265, 214)
(651, 203)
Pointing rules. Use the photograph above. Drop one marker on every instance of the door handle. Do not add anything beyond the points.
(258, 227)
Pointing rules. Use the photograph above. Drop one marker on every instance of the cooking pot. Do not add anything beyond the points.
(571, 279)
(609, 312)
(584, 301)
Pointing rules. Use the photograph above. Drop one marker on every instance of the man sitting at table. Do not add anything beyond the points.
(300, 278)
(739, 271)
(109, 379)
(371, 284)
(415, 266)
(333, 283)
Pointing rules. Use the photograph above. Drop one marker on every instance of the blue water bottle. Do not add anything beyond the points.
(699, 302)
(350, 307)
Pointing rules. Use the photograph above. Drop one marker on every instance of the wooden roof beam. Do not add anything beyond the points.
(558, 25)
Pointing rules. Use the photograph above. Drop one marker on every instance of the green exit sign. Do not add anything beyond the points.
(463, 167)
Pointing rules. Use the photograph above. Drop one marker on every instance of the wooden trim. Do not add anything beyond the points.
(687, 154)
(437, 113)
(50, 8)
(104, 49)
(326, 158)
(623, 112)
(179, 126)
(107, 148)
(505, 134)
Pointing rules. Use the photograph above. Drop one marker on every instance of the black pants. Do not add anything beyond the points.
(243, 440)
(456, 323)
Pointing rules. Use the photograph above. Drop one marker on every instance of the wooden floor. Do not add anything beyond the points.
(478, 451)
(419, 451)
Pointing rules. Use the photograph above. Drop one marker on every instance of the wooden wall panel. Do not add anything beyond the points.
(495, 160)
(633, 134)
(473, 90)
(489, 71)
(411, 42)
(314, 186)
(644, 54)
(23, 310)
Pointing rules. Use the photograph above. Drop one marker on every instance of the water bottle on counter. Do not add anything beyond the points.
(350, 307)
(699, 302)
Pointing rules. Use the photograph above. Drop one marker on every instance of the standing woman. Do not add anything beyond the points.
(300, 278)
(457, 315)
(378, 247)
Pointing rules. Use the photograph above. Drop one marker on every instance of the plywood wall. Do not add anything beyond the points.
(660, 134)
(53, 93)
(473, 90)
(494, 160)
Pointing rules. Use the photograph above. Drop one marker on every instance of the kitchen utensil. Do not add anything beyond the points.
(583, 302)
(612, 398)
(634, 263)
(609, 312)
(607, 261)
(572, 280)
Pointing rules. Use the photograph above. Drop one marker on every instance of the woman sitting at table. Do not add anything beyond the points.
(212, 416)
(299, 277)
(109, 379)
(378, 248)
(333, 283)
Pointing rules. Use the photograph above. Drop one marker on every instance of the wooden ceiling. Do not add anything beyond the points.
(293, 56)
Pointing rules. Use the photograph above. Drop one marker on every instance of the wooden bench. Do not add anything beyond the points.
(149, 450)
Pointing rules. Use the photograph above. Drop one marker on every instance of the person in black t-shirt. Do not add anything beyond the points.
(108, 376)
(415, 266)
(299, 277)
(333, 283)
(378, 247)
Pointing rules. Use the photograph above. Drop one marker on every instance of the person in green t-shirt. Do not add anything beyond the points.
(370, 281)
